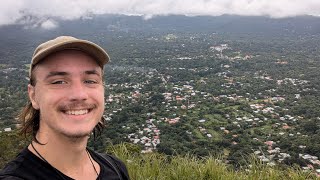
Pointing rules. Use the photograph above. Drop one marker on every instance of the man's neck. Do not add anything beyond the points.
(68, 155)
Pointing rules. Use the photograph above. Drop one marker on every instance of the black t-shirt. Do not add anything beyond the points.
(29, 166)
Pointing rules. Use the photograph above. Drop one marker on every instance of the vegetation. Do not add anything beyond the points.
(159, 166)
(195, 91)
(10, 145)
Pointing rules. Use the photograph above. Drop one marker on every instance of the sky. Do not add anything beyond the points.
(42, 13)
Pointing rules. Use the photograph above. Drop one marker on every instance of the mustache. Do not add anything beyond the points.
(76, 105)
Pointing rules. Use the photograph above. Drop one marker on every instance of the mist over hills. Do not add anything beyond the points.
(301, 25)
(100, 28)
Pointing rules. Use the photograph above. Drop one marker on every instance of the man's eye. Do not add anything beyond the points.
(90, 82)
(59, 82)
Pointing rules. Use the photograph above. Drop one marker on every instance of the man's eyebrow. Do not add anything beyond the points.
(56, 73)
(92, 72)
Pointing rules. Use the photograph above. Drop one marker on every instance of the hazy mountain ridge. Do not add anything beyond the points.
(301, 25)
(24, 36)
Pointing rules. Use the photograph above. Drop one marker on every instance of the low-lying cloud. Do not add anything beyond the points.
(39, 13)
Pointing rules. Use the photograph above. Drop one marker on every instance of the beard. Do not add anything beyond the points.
(79, 135)
(74, 137)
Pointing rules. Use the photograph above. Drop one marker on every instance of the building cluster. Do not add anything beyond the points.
(148, 136)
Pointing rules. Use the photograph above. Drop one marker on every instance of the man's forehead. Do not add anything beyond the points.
(66, 71)
(68, 60)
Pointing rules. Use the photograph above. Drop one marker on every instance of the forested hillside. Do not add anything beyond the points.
(226, 86)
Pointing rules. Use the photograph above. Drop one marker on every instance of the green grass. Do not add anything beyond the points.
(198, 134)
(157, 166)
(216, 136)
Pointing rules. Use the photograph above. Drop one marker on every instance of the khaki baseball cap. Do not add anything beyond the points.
(67, 42)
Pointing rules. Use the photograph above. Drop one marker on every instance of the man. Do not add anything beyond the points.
(66, 105)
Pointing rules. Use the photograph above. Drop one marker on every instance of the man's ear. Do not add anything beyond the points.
(32, 94)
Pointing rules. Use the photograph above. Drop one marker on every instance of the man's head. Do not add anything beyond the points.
(66, 88)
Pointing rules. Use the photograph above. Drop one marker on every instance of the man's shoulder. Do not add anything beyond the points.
(112, 159)
(24, 166)
(9, 177)
(112, 162)
(12, 169)
(107, 158)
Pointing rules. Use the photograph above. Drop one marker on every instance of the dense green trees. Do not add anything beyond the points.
(280, 74)
(10, 145)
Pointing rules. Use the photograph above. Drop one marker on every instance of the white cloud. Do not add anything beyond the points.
(12, 11)
(48, 24)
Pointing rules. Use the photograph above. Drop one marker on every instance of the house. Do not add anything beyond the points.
(147, 144)
(7, 129)
(285, 127)
(179, 98)
(269, 143)
(135, 141)
(157, 131)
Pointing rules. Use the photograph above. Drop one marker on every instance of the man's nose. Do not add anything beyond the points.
(78, 92)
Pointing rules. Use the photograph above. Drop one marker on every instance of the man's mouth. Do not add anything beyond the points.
(77, 112)
(77, 109)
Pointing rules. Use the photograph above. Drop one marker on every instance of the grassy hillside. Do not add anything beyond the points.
(159, 166)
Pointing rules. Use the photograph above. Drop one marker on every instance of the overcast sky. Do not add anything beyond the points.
(40, 12)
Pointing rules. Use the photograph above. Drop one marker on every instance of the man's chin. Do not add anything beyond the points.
(79, 135)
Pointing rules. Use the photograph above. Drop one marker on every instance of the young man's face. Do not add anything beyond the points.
(69, 93)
